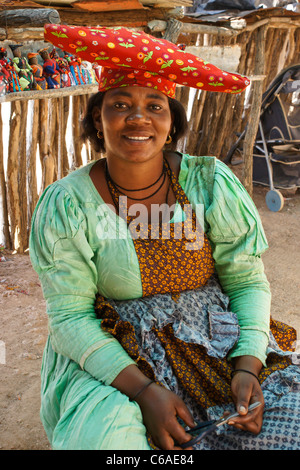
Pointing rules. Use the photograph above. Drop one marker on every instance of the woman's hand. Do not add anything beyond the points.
(245, 391)
(160, 408)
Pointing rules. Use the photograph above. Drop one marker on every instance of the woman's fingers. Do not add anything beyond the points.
(249, 420)
(172, 439)
(161, 410)
(184, 414)
(246, 390)
(170, 436)
(175, 429)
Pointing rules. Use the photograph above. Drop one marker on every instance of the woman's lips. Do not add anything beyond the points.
(137, 138)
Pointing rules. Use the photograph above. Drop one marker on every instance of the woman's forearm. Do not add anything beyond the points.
(249, 363)
(130, 381)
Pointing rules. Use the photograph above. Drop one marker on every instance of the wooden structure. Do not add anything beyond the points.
(42, 124)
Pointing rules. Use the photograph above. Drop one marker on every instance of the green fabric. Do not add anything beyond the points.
(233, 226)
(80, 413)
(76, 254)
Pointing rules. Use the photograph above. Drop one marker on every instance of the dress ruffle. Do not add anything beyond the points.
(200, 316)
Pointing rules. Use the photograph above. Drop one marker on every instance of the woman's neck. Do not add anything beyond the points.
(135, 174)
(132, 178)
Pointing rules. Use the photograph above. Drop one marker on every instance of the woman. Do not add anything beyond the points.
(117, 240)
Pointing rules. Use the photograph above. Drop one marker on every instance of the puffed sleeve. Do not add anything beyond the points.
(238, 241)
(62, 257)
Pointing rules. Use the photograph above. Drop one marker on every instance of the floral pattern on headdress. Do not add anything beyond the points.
(134, 57)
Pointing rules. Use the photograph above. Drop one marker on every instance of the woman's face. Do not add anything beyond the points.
(135, 122)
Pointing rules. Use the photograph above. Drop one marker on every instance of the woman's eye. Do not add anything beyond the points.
(120, 105)
(123, 106)
(155, 107)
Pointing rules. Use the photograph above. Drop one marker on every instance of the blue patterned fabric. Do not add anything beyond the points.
(281, 424)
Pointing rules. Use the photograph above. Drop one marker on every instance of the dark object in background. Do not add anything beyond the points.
(276, 151)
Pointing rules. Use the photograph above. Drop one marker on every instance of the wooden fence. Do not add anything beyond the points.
(41, 125)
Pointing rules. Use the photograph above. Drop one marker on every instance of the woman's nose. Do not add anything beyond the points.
(138, 115)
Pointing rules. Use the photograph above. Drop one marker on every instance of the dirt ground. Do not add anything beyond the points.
(23, 322)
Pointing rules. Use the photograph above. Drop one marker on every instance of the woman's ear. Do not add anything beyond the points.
(96, 115)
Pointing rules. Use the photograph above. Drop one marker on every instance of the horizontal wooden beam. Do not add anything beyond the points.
(140, 19)
(108, 5)
(167, 4)
(57, 2)
(29, 16)
(45, 94)
(192, 28)
(199, 28)
(22, 34)
(151, 3)
(129, 18)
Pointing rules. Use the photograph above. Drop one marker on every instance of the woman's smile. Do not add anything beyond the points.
(137, 139)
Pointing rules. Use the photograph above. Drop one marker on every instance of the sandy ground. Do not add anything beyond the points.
(23, 322)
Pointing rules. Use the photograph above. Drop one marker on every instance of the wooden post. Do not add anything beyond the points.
(3, 192)
(196, 115)
(43, 128)
(77, 144)
(22, 186)
(61, 136)
(48, 170)
(252, 127)
(47, 162)
(64, 155)
(31, 160)
(182, 95)
(12, 172)
(53, 135)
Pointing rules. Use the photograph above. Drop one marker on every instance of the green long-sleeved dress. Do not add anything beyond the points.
(76, 254)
